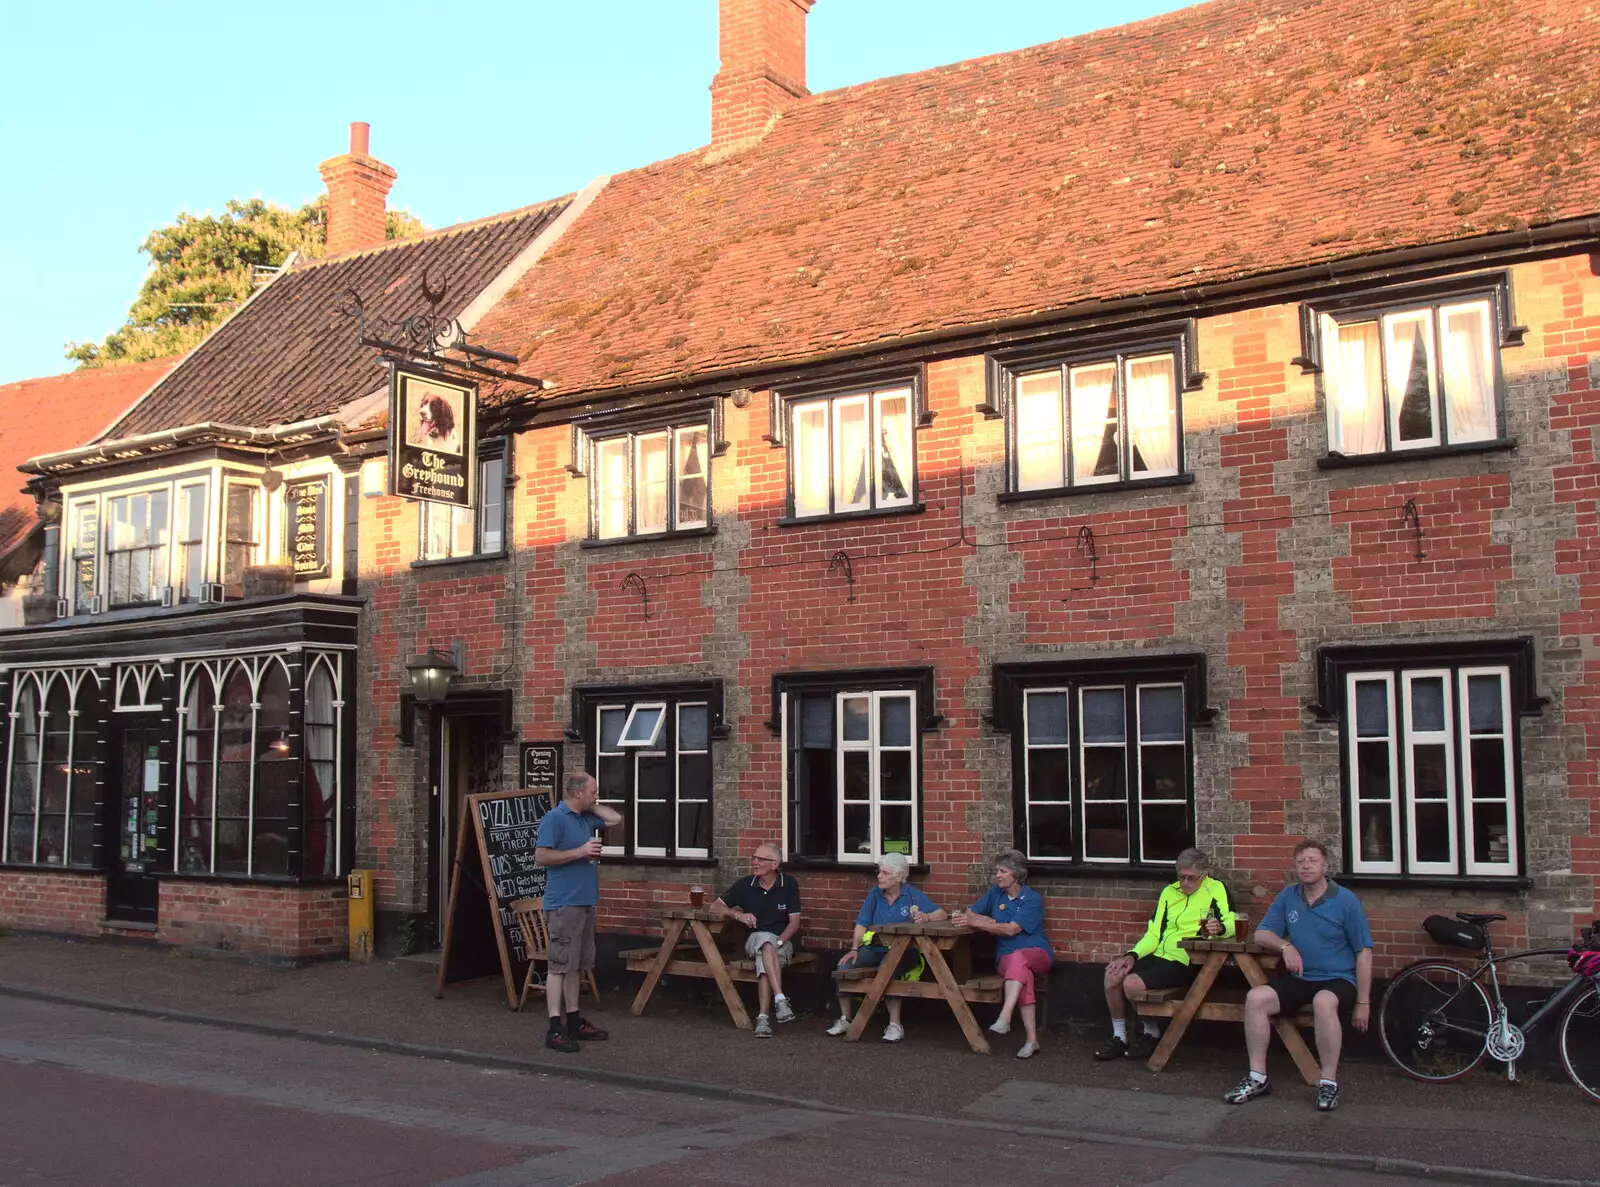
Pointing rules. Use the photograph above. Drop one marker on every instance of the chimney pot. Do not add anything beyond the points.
(762, 44)
(358, 189)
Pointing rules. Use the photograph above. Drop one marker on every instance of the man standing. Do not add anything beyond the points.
(1195, 905)
(1321, 932)
(569, 848)
(768, 903)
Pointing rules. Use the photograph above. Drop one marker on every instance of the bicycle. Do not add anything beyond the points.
(1438, 1022)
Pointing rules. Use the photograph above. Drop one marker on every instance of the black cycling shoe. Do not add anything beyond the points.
(1140, 1046)
(1112, 1048)
(587, 1032)
(557, 1040)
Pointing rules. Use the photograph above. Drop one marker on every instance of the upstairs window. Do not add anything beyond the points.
(452, 533)
(83, 541)
(136, 547)
(1413, 369)
(241, 534)
(189, 572)
(852, 452)
(650, 482)
(1091, 423)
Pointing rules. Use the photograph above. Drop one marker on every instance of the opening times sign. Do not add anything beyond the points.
(433, 439)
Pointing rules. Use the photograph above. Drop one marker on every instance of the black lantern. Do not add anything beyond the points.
(430, 674)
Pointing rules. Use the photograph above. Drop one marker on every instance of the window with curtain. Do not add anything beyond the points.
(649, 482)
(1095, 421)
(136, 547)
(241, 534)
(852, 452)
(1417, 377)
(50, 785)
(450, 533)
(650, 751)
(83, 558)
(1102, 758)
(260, 793)
(190, 537)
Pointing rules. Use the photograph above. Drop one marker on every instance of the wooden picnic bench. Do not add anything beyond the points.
(956, 987)
(698, 956)
(1204, 1000)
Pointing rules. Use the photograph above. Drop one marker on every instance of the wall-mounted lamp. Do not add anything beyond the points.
(431, 673)
(271, 480)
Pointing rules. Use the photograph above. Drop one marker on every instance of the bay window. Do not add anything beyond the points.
(136, 547)
(241, 534)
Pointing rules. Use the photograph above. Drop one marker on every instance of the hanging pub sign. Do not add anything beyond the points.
(306, 523)
(433, 442)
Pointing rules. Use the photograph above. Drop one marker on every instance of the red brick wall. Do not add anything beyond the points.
(267, 920)
(39, 900)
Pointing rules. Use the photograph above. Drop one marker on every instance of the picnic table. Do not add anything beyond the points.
(698, 956)
(956, 986)
(1205, 1001)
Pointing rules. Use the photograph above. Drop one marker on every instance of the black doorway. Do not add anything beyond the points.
(131, 888)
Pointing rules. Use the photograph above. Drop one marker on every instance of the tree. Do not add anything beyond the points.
(203, 267)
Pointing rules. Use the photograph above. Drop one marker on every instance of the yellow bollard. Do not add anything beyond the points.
(361, 909)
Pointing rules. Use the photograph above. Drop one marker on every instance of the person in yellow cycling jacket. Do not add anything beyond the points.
(1193, 905)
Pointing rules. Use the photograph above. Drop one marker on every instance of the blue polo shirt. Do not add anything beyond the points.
(878, 910)
(1027, 910)
(576, 884)
(1327, 935)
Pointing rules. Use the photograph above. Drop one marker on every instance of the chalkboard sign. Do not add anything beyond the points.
(541, 768)
(494, 867)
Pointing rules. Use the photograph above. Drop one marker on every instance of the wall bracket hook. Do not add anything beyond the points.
(1086, 547)
(1409, 515)
(841, 561)
(634, 581)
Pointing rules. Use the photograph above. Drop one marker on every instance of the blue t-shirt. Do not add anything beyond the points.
(577, 883)
(1027, 910)
(1327, 935)
(878, 910)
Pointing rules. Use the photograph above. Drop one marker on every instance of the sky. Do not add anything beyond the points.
(116, 115)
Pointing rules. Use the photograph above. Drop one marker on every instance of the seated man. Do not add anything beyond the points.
(1321, 932)
(768, 903)
(1196, 904)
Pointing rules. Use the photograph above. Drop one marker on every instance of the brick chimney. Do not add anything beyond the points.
(763, 49)
(358, 185)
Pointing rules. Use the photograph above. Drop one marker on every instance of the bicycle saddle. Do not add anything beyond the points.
(1470, 917)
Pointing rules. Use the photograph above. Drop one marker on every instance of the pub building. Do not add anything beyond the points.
(1022, 453)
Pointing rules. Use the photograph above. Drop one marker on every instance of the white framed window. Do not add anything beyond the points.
(1418, 376)
(853, 764)
(1096, 421)
(139, 687)
(49, 813)
(1431, 770)
(189, 532)
(137, 530)
(242, 532)
(852, 452)
(649, 482)
(651, 757)
(1102, 757)
(450, 533)
(83, 555)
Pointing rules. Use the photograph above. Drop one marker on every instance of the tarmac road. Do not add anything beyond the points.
(95, 1098)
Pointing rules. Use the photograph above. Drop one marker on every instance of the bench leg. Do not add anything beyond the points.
(1191, 1003)
(669, 941)
(876, 990)
(952, 995)
(719, 971)
(1288, 1032)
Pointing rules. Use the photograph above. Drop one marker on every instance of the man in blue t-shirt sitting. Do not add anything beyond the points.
(568, 847)
(1321, 933)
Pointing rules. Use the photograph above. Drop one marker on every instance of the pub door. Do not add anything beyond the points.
(467, 761)
(131, 888)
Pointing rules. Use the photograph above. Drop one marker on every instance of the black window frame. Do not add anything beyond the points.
(1336, 664)
(859, 384)
(1374, 302)
(589, 699)
(492, 451)
(789, 688)
(1003, 369)
(1012, 683)
(590, 430)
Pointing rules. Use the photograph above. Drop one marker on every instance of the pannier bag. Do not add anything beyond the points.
(1454, 933)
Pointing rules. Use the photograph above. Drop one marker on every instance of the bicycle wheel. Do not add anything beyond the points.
(1434, 1021)
(1580, 1041)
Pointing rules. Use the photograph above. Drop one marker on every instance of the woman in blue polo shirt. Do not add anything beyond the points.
(892, 900)
(1014, 915)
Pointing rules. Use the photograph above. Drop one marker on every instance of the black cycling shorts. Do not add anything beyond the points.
(1294, 992)
(1157, 972)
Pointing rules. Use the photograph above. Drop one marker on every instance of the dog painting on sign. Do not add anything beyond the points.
(433, 417)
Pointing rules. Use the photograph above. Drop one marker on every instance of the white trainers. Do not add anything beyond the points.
(782, 1010)
(1000, 1027)
(763, 1027)
(840, 1025)
(1027, 1050)
(893, 1033)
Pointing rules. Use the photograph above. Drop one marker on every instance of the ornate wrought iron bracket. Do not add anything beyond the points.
(1409, 515)
(1086, 547)
(431, 337)
(634, 581)
(840, 561)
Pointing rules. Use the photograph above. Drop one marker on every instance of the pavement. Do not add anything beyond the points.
(1484, 1129)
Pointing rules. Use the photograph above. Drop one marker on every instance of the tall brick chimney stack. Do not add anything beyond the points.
(763, 48)
(358, 187)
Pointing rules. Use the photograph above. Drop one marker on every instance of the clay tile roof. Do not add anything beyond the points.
(44, 415)
(1224, 140)
(287, 356)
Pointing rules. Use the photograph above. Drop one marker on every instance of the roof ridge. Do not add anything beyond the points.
(532, 210)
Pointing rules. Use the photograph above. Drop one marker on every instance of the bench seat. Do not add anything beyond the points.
(687, 961)
(1221, 1005)
(987, 988)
